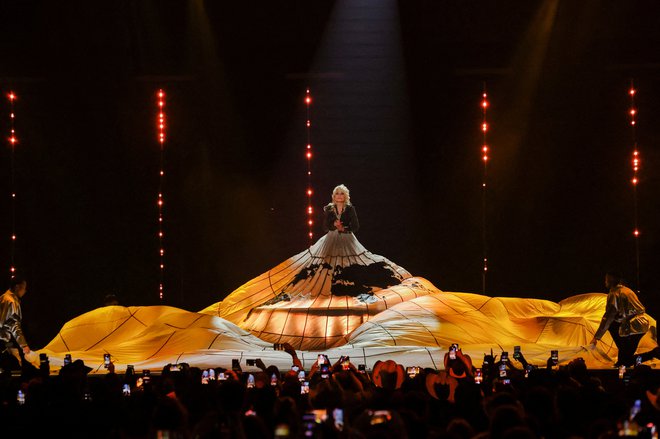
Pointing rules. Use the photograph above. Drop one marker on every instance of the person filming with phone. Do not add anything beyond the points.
(457, 364)
(626, 320)
(11, 332)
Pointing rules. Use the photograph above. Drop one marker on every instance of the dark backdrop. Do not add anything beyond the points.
(396, 117)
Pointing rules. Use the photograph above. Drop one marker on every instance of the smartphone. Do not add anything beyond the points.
(43, 358)
(412, 371)
(516, 352)
(301, 376)
(502, 368)
(310, 425)
(295, 368)
(528, 369)
(106, 360)
(205, 377)
(452, 351)
(338, 417)
(325, 371)
(346, 363)
(554, 356)
(126, 390)
(130, 370)
(20, 397)
(304, 388)
(222, 376)
(67, 359)
(174, 368)
(235, 364)
(380, 417)
(478, 376)
(320, 360)
(251, 362)
(504, 358)
(273, 380)
(250, 381)
(211, 374)
(622, 371)
(638, 360)
(362, 368)
(506, 381)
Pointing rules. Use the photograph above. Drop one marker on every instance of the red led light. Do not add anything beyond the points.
(632, 92)
(309, 155)
(484, 127)
(309, 192)
(12, 96)
(484, 104)
(636, 232)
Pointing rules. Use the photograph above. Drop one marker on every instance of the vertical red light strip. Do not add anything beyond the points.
(485, 150)
(161, 177)
(308, 155)
(13, 140)
(636, 163)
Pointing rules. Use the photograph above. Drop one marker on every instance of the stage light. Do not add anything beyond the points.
(13, 140)
(308, 155)
(485, 157)
(636, 163)
(160, 127)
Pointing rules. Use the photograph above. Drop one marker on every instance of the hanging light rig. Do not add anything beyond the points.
(13, 140)
(484, 157)
(161, 177)
(635, 162)
(308, 155)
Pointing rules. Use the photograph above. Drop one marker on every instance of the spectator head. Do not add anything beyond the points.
(18, 286)
(459, 428)
(612, 279)
(441, 386)
(388, 375)
(504, 418)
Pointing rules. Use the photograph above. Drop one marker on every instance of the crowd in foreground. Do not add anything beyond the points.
(503, 398)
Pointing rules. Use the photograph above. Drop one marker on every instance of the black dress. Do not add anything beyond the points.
(348, 218)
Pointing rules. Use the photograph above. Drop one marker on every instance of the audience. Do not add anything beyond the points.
(336, 401)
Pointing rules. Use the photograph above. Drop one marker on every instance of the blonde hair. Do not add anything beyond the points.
(343, 189)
